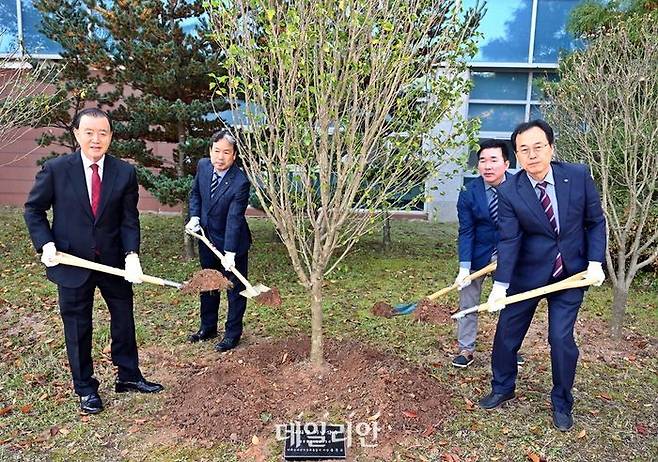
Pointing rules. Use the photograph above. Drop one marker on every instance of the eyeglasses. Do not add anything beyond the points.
(537, 149)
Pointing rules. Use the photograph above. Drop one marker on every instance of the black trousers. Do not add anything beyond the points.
(76, 307)
(237, 304)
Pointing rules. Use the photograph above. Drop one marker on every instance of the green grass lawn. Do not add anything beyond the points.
(616, 395)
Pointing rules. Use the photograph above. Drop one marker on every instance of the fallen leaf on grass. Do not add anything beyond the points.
(140, 421)
(429, 431)
(605, 396)
(27, 408)
(255, 440)
(6, 410)
(84, 418)
(641, 429)
(54, 430)
(375, 416)
(533, 456)
(410, 414)
(582, 434)
(133, 429)
(448, 457)
(469, 404)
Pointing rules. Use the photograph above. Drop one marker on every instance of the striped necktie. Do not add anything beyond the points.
(545, 201)
(214, 184)
(493, 212)
(493, 205)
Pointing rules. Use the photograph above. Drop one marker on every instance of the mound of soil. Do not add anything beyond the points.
(382, 309)
(250, 390)
(270, 298)
(432, 312)
(206, 280)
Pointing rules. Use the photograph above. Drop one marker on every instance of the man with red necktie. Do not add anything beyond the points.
(94, 200)
(551, 226)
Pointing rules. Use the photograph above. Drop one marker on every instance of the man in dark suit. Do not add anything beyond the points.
(551, 227)
(94, 200)
(477, 209)
(218, 201)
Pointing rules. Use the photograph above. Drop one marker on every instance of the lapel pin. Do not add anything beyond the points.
(566, 180)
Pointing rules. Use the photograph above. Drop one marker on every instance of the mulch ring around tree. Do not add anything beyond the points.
(247, 392)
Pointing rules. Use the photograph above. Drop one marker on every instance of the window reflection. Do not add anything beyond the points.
(497, 117)
(551, 34)
(8, 26)
(499, 85)
(35, 41)
(506, 30)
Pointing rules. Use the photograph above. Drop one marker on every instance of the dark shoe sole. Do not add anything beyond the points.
(463, 366)
(91, 411)
(124, 389)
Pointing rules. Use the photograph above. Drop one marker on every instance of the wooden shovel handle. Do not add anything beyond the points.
(481, 272)
(202, 237)
(577, 280)
(71, 260)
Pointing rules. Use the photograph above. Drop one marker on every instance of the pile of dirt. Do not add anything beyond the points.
(432, 312)
(382, 309)
(206, 280)
(270, 298)
(251, 390)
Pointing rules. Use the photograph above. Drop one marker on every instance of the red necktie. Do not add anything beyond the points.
(95, 189)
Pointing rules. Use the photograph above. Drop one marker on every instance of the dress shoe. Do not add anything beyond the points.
(563, 421)
(202, 335)
(493, 400)
(226, 344)
(91, 403)
(142, 386)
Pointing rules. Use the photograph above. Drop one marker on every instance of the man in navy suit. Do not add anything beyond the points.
(477, 209)
(218, 201)
(94, 200)
(551, 227)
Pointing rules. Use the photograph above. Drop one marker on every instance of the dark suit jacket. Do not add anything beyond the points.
(528, 245)
(478, 234)
(60, 184)
(222, 216)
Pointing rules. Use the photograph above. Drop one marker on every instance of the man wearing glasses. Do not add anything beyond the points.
(551, 227)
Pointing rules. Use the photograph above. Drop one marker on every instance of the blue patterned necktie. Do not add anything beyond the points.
(493, 212)
(545, 201)
(214, 184)
(493, 205)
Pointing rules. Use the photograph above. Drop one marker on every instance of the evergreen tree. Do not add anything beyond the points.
(158, 58)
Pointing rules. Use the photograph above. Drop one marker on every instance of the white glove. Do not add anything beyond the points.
(459, 280)
(48, 252)
(498, 291)
(193, 225)
(133, 269)
(229, 261)
(595, 273)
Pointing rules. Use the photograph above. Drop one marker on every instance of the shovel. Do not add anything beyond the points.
(258, 292)
(71, 260)
(407, 308)
(577, 280)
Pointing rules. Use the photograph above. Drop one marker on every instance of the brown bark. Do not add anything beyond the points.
(317, 350)
(619, 299)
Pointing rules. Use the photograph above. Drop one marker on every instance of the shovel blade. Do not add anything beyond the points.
(257, 290)
(404, 308)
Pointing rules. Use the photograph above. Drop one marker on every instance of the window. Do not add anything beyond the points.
(22, 32)
(524, 31)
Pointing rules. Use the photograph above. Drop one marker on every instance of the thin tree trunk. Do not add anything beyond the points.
(317, 347)
(619, 299)
(188, 244)
(387, 232)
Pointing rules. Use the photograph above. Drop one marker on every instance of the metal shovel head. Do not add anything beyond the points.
(258, 289)
(404, 308)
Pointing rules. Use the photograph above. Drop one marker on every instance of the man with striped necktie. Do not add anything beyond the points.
(551, 227)
(477, 209)
(218, 201)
